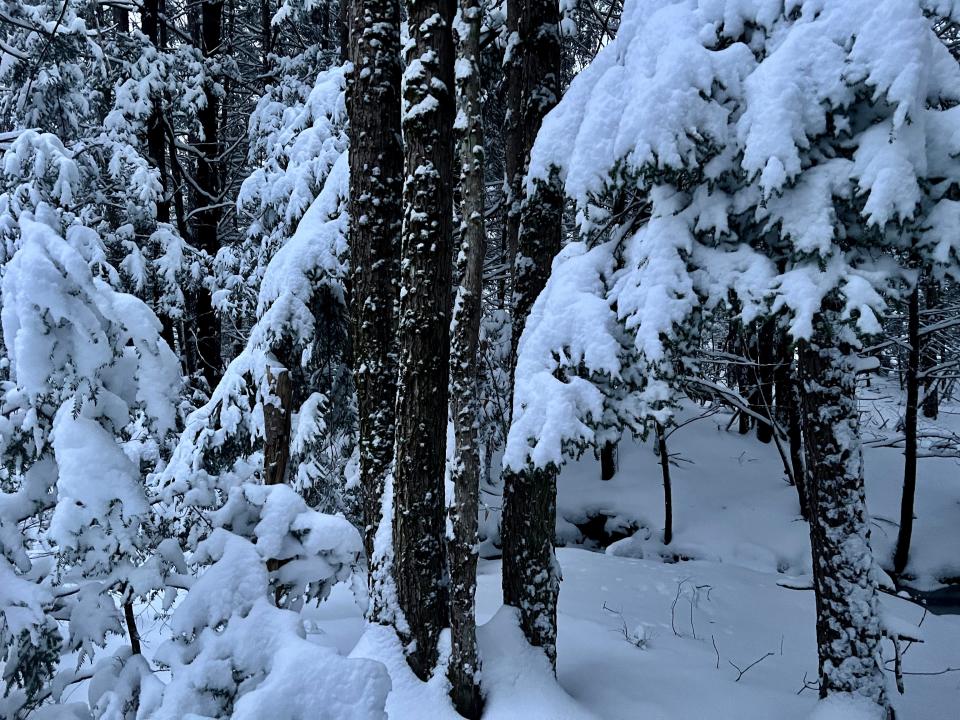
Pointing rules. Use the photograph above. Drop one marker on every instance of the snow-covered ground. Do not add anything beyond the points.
(643, 638)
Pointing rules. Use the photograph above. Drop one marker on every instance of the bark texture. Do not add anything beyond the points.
(848, 612)
(424, 330)
(464, 669)
(530, 578)
(531, 582)
(376, 182)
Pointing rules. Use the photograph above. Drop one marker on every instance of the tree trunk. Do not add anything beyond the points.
(766, 358)
(514, 158)
(206, 210)
(277, 426)
(424, 330)
(132, 631)
(530, 580)
(667, 487)
(464, 669)
(848, 613)
(912, 381)
(376, 182)
(928, 354)
(608, 461)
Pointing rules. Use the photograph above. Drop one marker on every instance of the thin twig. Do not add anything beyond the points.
(755, 662)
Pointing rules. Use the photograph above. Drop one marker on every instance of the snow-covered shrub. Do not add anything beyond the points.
(233, 652)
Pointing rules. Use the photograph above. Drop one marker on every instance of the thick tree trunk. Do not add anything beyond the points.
(530, 580)
(376, 182)
(667, 486)
(207, 211)
(848, 612)
(424, 330)
(912, 382)
(464, 669)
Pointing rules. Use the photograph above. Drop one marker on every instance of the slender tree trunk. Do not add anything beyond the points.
(152, 25)
(207, 213)
(277, 418)
(513, 148)
(266, 35)
(424, 330)
(928, 355)
(667, 487)
(766, 358)
(795, 438)
(132, 632)
(912, 381)
(277, 426)
(530, 579)
(464, 670)
(376, 182)
(608, 461)
(848, 611)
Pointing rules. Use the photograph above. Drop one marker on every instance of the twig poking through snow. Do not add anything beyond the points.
(744, 671)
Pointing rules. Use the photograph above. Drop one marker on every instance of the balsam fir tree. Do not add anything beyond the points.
(92, 385)
(788, 154)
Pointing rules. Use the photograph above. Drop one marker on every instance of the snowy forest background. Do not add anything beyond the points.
(337, 338)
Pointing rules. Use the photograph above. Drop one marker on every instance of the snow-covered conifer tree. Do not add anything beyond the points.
(92, 385)
(789, 155)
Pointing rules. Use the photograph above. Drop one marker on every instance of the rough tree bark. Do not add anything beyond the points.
(376, 182)
(912, 382)
(464, 669)
(848, 613)
(530, 581)
(424, 330)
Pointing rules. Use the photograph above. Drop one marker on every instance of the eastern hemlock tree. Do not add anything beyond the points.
(464, 668)
(376, 182)
(788, 157)
(423, 331)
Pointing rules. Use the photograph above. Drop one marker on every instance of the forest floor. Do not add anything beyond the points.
(715, 635)
(711, 627)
